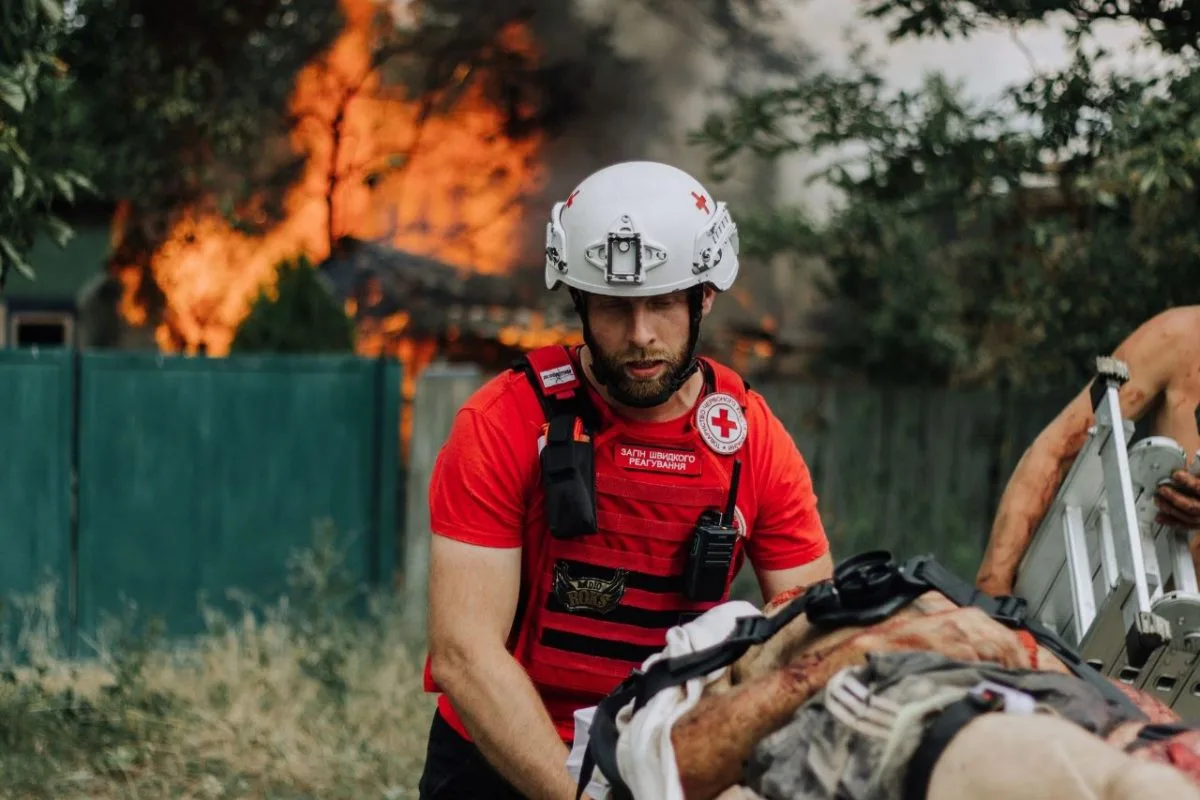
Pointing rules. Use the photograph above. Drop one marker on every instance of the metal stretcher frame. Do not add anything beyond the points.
(1101, 572)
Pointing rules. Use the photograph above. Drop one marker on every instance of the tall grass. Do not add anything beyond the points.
(301, 698)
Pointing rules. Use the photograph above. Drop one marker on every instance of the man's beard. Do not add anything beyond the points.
(637, 392)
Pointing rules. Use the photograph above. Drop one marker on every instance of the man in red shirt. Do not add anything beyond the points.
(582, 507)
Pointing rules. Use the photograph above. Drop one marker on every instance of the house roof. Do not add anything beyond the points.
(436, 297)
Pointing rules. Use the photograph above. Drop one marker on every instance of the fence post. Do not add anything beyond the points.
(35, 484)
(381, 558)
(440, 392)
(73, 536)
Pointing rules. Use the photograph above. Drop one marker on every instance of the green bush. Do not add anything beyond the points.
(302, 316)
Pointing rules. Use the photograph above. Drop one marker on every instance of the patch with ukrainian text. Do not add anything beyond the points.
(655, 458)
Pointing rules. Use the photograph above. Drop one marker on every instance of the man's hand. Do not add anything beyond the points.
(1179, 501)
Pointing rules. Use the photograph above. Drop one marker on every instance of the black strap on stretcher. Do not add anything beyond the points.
(865, 589)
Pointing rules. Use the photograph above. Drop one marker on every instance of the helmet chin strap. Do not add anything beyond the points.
(675, 381)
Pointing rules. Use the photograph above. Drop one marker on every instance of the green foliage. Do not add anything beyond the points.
(186, 104)
(1173, 26)
(774, 231)
(39, 168)
(302, 316)
(997, 243)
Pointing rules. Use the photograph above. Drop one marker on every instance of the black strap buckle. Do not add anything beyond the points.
(752, 630)
(865, 589)
(1011, 610)
(821, 600)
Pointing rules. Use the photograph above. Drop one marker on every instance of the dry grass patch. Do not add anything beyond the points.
(301, 699)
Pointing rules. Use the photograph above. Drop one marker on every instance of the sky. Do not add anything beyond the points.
(985, 63)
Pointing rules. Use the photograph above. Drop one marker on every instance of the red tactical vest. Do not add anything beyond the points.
(600, 603)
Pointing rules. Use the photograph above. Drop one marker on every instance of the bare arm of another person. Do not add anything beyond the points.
(1152, 353)
(473, 594)
(1179, 501)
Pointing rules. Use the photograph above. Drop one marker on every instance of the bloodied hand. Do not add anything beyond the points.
(1179, 501)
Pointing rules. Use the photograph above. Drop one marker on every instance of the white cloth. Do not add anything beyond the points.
(598, 786)
(645, 755)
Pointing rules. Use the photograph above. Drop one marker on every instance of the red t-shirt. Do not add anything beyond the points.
(488, 467)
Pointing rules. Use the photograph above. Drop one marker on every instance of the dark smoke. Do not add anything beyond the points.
(614, 79)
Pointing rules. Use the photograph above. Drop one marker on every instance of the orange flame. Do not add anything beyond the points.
(388, 335)
(378, 168)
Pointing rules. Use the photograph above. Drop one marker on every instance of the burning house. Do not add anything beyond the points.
(449, 189)
(423, 225)
(419, 308)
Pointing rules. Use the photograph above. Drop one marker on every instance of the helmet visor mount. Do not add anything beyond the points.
(623, 248)
(625, 255)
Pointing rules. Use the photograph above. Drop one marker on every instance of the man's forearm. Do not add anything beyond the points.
(510, 725)
(1025, 500)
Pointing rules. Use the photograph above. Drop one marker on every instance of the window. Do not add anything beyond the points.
(39, 329)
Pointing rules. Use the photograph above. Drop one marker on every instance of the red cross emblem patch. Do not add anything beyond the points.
(721, 423)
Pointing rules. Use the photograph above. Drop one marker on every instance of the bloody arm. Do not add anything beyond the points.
(1156, 355)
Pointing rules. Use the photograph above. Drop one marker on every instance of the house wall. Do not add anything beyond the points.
(51, 297)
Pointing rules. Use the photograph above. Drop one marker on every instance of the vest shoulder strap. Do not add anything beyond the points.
(551, 370)
(558, 383)
(724, 379)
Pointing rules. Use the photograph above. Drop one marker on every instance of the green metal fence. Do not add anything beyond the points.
(194, 476)
(910, 470)
(36, 442)
(168, 480)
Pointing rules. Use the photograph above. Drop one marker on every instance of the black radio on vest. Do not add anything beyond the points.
(712, 548)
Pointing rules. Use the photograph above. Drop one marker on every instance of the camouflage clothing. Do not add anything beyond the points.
(855, 738)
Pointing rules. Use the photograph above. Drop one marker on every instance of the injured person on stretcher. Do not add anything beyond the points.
(891, 681)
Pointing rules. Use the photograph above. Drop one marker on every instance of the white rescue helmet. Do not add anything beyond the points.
(640, 228)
